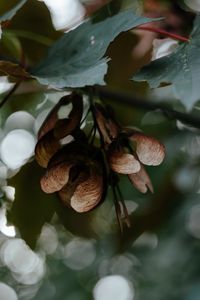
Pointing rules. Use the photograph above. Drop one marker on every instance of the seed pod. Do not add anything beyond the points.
(108, 128)
(86, 195)
(45, 148)
(66, 125)
(54, 129)
(149, 150)
(73, 151)
(50, 121)
(123, 163)
(56, 177)
(73, 118)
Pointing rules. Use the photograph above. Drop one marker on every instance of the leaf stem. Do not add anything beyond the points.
(165, 33)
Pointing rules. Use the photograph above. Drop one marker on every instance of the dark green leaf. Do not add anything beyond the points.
(11, 13)
(181, 68)
(76, 60)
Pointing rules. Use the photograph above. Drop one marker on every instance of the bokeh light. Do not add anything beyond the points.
(79, 253)
(17, 147)
(193, 221)
(113, 287)
(7, 292)
(26, 266)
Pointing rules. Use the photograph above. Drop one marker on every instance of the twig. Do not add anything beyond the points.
(127, 98)
(6, 98)
(17, 84)
(165, 33)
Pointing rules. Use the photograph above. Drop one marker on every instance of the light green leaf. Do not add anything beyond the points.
(76, 60)
(11, 13)
(181, 68)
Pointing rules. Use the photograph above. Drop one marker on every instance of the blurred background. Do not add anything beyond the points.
(49, 252)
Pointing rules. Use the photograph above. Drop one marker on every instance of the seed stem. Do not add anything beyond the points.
(125, 211)
(117, 209)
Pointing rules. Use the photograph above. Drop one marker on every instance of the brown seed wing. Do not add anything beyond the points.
(45, 148)
(149, 150)
(50, 121)
(53, 129)
(67, 125)
(56, 177)
(124, 163)
(141, 180)
(88, 194)
(108, 128)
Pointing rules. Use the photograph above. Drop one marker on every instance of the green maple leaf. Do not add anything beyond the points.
(76, 60)
(181, 68)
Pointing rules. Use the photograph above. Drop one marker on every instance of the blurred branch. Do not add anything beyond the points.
(147, 104)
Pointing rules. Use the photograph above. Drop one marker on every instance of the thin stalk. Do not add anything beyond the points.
(93, 136)
(125, 211)
(117, 209)
(90, 133)
(165, 33)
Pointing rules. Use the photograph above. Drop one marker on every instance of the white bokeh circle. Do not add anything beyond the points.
(17, 148)
(19, 120)
(114, 287)
(7, 293)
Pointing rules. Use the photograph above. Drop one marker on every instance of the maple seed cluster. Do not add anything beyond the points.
(79, 167)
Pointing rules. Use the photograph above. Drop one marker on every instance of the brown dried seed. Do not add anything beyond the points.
(87, 194)
(141, 180)
(108, 128)
(50, 121)
(56, 178)
(49, 142)
(64, 126)
(45, 148)
(149, 150)
(123, 163)
(75, 151)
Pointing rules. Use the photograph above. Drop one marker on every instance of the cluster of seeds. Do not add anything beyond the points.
(81, 166)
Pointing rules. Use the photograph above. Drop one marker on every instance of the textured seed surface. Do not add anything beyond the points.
(88, 194)
(123, 163)
(149, 150)
(55, 178)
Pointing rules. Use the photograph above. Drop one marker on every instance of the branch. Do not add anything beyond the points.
(146, 104)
